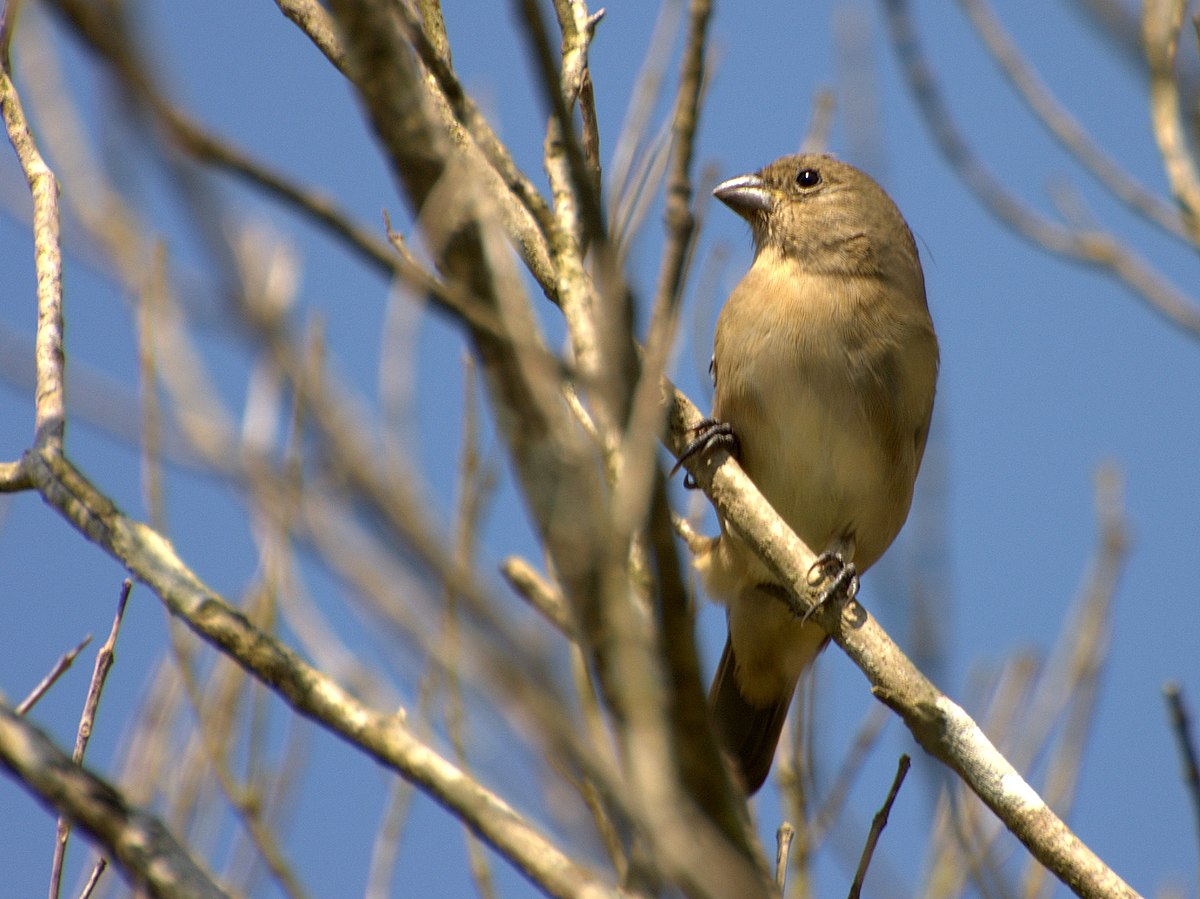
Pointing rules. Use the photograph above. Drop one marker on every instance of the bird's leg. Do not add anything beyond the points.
(709, 433)
(842, 576)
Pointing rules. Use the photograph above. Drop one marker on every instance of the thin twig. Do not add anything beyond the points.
(965, 836)
(684, 122)
(94, 878)
(64, 662)
(624, 186)
(877, 826)
(577, 224)
(560, 95)
(646, 411)
(524, 211)
(386, 847)
(1181, 725)
(820, 123)
(476, 484)
(8, 26)
(104, 662)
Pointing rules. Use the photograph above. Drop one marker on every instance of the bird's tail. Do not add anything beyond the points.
(747, 731)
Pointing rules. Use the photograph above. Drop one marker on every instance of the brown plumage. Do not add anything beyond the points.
(824, 367)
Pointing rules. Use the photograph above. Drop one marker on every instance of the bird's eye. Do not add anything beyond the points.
(808, 178)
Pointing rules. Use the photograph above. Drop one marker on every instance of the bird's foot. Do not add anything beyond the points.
(841, 575)
(709, 433)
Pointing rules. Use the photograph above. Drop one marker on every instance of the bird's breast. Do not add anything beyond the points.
(799, 364)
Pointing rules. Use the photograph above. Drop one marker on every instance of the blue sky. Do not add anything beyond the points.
(1048, 370)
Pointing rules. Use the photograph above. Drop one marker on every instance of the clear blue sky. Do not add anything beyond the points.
(1048, 370)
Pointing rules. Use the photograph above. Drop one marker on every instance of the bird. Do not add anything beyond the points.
(824, 369)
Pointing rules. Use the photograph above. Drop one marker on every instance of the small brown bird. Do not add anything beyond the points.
(824, 367)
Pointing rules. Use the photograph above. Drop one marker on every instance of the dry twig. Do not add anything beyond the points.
(87, 720)
(877, 825)
(60, 667)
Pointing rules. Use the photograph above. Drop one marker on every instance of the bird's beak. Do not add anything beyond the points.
(746, 195)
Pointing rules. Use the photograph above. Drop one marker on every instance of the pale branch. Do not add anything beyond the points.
(214, 731)
(50, 418)
(1093, 247)
(385, 737)
(314, 20)
(939, 725)
(783, 846)
(538, 592)
(1162, 21)
(559, 91)
(851, 765)
(522, 208)
(1112, 173)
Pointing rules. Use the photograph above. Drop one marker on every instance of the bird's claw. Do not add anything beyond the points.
(841, 575)
(709, 433)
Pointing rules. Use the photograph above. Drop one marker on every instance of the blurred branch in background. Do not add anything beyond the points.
(1081, 241)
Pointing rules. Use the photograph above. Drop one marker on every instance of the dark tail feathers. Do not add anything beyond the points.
(748, 732)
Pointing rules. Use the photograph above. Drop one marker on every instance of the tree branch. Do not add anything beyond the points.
(149, 855)
(942, 728)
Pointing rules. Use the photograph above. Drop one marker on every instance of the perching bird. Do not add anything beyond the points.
(824, 367)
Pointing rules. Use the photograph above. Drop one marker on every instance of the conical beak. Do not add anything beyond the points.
(746, 195)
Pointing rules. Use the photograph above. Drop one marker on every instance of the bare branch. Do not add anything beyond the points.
(877, 826)
(1115, 177)
(104, 661)
(1162, 21)
(387, 738)
(60, 667)
(541, 594)
(50, 416)
(680, 221)
(208, 751)
(851, 766)
(1068, 688)
(149, 855)
(1094, 248)
(94, 878)
(522, 208)
(942, 728)
(314, 20)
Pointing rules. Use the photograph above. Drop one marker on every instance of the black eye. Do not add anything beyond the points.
(808, 178)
